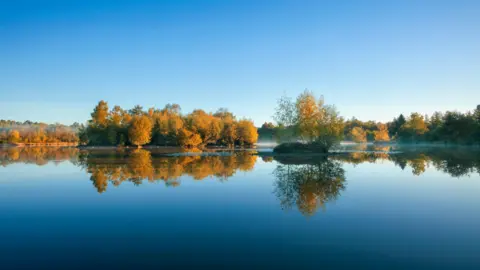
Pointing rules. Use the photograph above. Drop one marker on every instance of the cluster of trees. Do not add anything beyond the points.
(370, 131)
(166, 127)
(29, 132)
(448, 127)
(309, 123)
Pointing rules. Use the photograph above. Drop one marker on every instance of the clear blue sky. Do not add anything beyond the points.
(372, 59)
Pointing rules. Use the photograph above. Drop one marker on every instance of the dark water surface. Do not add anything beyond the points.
(69, 209)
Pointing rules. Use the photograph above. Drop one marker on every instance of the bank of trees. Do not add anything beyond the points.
(449, 127)
(369, 131)
(166, 127)
(29, 132)
(307, 121)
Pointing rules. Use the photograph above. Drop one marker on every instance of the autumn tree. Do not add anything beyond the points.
(318, 126)
(13, 136)
(168, 127)
(246, 132)
(228, 124)
(167, 124)
(381, 135)
(229, 135)
(308, 116)
(139, 132)
(413, 129)
(116, 116)
(205, 125)
(100, 114)
(189, 139)
(358, 134)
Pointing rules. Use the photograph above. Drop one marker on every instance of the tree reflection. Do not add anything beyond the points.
(456, 163)
(140, 165)
(136, 166)
(39, 155)
(309, 186)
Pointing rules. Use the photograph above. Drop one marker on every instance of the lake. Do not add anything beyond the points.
(369, 208)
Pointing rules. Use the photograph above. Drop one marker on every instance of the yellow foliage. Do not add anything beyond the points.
(358, 135)
(187, 138)
(246, 132)
(13, 136)
(140, 130)
(381, 135)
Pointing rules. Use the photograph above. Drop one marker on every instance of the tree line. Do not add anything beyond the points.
(29, 132)
(166, 127)
(307, 121)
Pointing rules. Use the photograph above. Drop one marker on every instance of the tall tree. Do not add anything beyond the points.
(140, 130)
(308, 114)
(116, 116)
(137, 110)
(100, 114)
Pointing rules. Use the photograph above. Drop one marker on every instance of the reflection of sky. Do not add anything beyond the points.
(385, 214)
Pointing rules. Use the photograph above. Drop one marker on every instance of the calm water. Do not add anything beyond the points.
(368, 209)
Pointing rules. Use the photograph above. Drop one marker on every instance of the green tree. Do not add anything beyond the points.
(112, 134)
(286, 118)
(137, 110)
(395, 126)
(331, 127)
(458, 127)
(413, 129)
(3, 136)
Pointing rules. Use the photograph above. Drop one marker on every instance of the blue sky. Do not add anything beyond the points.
(372, 59)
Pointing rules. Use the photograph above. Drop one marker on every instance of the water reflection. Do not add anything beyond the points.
(139, 165)
(455, 163)
(135, 165)
(38, 155)
(305, 183)
(309, 186)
